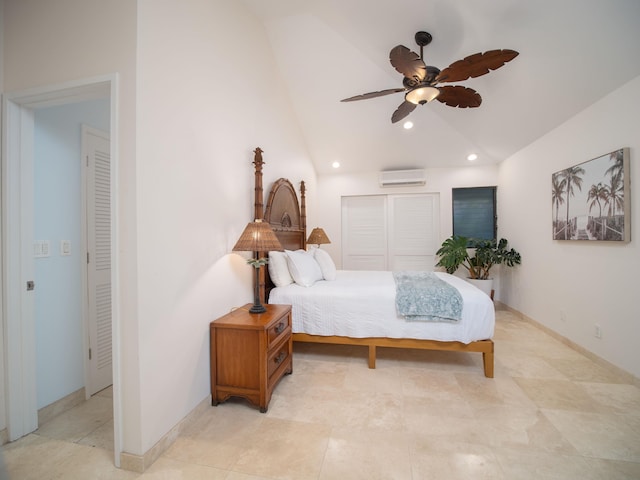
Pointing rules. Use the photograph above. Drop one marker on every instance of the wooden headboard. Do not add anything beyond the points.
(287, 217)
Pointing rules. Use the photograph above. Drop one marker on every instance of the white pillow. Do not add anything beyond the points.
(303, 267)
(279, 269)
(325, 261)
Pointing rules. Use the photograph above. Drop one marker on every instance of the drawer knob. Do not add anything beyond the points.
(280, 357)
(280, 327)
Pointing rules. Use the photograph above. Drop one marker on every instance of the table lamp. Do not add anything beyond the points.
(257, 237)
(318, 237)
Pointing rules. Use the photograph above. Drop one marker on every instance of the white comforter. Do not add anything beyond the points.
(361, 304)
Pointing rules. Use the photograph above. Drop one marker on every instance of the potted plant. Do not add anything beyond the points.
(454, 252)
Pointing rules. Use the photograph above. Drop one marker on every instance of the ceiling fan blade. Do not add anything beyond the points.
(381, 93)
(476, 65)
(402, 111)
(459, 96)
(408, 63)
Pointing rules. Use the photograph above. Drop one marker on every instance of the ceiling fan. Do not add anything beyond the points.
(421, 80)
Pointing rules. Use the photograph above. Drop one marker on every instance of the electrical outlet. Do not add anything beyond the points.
(598, 331)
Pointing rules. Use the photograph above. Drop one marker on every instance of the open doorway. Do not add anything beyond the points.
(71, 218)
(21, 248)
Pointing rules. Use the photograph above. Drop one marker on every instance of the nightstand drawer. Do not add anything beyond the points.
(278, 330)
(278, 357)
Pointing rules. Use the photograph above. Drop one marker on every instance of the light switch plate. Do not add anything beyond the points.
(41, 248)
(65, 247)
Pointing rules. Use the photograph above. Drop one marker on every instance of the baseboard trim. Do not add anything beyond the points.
(627, 376)
(59, 406)
(140, 463)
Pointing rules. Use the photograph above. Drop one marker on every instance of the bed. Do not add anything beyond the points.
(355, 307)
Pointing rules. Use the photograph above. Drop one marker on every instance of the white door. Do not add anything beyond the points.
(390, 232)
(364, 232)
(413, 232)
(97, 180)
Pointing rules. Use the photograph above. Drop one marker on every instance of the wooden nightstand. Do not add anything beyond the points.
(250, 352)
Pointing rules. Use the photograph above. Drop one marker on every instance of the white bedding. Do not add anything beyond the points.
(361, 304)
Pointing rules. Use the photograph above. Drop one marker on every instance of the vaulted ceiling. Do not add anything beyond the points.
(572, 53)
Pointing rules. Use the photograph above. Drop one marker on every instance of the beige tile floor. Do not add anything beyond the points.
(549, 413)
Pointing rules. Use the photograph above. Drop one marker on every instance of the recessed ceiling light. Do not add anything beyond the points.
(472, 157)
(335, 164)
(408, 124)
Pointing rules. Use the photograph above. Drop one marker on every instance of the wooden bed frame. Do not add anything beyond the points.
(287, 218)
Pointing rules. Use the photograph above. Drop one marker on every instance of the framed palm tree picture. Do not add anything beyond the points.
(591, 199)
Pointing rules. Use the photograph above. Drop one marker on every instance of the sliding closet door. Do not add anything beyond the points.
(390, 232)
(412, 232)
(364, 233)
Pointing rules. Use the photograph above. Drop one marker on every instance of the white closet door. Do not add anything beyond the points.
(98, 222)
(390, 232)
(412, 232)
(364, 241)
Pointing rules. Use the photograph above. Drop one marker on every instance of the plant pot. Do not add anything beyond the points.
(485, 285)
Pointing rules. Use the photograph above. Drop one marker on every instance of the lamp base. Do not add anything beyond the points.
(257, 308)
(257, 304)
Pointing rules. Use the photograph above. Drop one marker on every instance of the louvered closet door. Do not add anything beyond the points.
(390, 232)
(98, 198)
(413, 232)
(364, 239)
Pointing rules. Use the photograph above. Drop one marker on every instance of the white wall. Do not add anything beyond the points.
(208, 95)
(57, 212)
(331, 188)
(591, 282)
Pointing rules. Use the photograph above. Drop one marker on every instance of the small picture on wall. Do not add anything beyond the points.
(591, 200)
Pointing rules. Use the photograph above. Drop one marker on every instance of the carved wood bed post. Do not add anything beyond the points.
(282, 211)
(303, 213)
(258, 214)
(257, 191)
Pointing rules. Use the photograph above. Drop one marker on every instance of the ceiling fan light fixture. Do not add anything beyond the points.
(419, 80)
(421, 95)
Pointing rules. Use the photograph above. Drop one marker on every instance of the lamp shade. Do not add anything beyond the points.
(257, 237)
(318, 237)
(421, 95)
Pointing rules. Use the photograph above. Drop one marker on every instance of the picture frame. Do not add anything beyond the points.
(591, 200)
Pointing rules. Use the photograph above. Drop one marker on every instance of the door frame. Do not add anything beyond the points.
(17, 238)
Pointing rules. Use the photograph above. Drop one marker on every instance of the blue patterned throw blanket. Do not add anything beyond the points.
(424, 296)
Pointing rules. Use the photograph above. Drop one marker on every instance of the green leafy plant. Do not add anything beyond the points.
(454, 252)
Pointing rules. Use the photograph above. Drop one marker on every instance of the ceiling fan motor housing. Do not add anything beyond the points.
(432, 73)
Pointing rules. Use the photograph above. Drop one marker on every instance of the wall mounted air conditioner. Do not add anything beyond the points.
(396, 178)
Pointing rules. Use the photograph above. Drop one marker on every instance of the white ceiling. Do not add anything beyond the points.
(572, 53)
